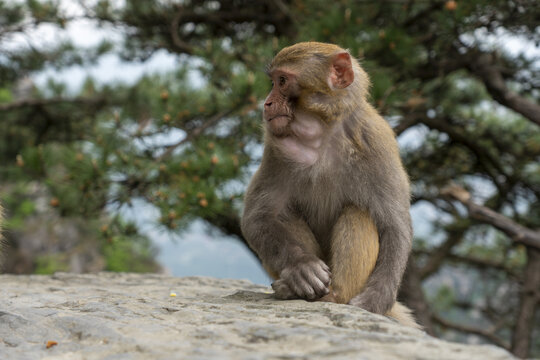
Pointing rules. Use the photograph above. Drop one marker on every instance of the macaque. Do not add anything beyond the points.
(327, 211)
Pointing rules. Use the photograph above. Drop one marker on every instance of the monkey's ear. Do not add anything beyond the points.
(341, 71)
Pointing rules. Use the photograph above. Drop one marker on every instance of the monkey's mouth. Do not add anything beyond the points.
(279, 125)
(279, 121)
(279, 118)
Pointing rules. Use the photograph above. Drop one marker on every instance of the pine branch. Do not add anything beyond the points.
(515, 231)
(488, 334)
(485, 67)
(471, 260)
(437, 256)
(181, 45)
(19, 104)
(196, 132)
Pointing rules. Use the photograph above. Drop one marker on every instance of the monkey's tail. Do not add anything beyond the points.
(403, 315)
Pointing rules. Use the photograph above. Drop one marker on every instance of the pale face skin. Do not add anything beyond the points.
(298, 135)
(304, 144)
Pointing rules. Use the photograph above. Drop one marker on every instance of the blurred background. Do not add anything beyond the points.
(129, 130)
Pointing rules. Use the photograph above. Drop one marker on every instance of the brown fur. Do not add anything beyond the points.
(353, 233)
(328, 209)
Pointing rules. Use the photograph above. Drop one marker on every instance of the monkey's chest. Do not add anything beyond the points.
(320, 206)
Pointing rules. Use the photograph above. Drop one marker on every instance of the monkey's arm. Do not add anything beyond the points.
(392, 218)
(284, 243)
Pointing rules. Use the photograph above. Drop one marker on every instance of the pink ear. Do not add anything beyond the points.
(341, 71)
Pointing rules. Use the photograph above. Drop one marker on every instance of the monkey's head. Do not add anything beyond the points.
(318, 79)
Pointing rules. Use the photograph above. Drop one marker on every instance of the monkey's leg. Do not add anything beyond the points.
(303, 234)
(354, 251)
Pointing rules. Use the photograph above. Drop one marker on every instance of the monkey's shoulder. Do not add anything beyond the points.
(368, 132)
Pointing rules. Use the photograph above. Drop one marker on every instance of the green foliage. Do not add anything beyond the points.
(125, 249)
(128, 254)
(443, 299)
(20, 206)
(49, 264)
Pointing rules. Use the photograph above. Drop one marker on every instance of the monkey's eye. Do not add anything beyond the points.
(282, 80)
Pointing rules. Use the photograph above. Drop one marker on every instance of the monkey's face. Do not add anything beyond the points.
(279, 104)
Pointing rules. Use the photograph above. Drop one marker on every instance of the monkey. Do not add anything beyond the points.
(327, 211)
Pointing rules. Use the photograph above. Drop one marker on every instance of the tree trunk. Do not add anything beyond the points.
(412, 295)
(521, 340)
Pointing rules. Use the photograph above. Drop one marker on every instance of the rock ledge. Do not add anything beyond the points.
(132, 316)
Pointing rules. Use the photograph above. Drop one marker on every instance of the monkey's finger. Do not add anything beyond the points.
(323, 275)
(325, 267)
(313, 275)
(293, 279)
(319, 287)
(307, 290)
(301, 286)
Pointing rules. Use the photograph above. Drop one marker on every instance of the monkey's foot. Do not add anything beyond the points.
(373, 301)
(308, 280)
(330, 297)
(283, 291)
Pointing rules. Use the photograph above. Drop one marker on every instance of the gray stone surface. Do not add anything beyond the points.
(130, 316)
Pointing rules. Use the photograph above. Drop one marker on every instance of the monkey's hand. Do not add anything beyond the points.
(308, 279)
(375, 300)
